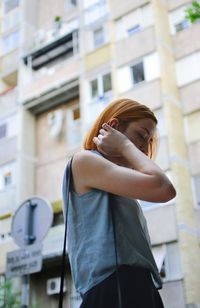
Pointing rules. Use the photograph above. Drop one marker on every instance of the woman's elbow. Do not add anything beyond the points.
(169, 193)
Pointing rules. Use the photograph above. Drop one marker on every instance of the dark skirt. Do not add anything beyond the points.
(137, 290)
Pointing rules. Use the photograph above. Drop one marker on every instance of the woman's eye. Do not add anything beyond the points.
(141, 136)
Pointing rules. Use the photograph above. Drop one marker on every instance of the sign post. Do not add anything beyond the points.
(30, 225)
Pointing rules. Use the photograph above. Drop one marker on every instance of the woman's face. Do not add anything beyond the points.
(140, 132)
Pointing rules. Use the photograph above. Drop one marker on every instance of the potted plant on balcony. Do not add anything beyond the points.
(57, 23)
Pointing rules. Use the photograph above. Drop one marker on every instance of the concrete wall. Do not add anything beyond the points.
(118, 8)
(128, 49)
(52, 155)
(147, 93)
(173, 294)
(162, 224)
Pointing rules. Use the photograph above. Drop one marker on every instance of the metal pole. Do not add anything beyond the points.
(29, 239)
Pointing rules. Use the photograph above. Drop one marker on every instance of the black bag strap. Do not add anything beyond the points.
(111, 203)
(65, 190)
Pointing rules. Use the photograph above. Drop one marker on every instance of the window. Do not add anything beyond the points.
(133, 30)
(9, 5)
(107, 83)
(100, 86)
(95, 11)
(134, 22)
(70, 4)
(146, 69)
(10, 42)
(98, 37)
(188, 69)
(3, 128)
(182, 25)
(73, 121)
(7, 175)
(138, 72)
(94, 88)
(177, 20)
(73, 2)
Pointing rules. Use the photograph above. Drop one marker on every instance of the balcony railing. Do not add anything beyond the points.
(57, 42)
(39, 38)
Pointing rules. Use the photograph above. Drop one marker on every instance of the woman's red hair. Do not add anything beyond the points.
(126, 111)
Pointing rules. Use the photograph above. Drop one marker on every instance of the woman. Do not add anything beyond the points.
(115, 168)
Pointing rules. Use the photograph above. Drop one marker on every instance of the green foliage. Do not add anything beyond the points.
(57, 19)
(193, 12)
(9, 298)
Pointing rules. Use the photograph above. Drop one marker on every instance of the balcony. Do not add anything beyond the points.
(96, 13)
(130, 48)
(119, 8)
(148, 93)
(45, 47)
(186, 41)
(9, 67)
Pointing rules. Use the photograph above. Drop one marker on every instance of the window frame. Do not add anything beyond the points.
(100, 87)
(132, 72)
(103, 39)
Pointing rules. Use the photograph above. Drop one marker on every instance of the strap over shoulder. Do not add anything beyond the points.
(66, 186)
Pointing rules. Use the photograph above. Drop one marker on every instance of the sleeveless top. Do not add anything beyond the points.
(90, 238)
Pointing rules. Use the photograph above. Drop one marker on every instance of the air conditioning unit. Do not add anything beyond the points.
(53, 286)
(55, 121)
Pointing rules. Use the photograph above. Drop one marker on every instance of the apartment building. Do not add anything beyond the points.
(9, 120)
(61, 63)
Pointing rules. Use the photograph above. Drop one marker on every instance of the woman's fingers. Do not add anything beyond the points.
(102, 132)
(107, 127)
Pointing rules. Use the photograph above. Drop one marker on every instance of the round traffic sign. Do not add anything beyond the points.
(31, 221)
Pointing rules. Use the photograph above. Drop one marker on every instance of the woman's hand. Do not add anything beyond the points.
(110, 141)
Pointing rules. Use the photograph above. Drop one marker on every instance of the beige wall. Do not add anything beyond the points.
(128, 49)
(173, 4)
(147, 93)
(119, 8)
(190, 97)
(52, 155)
(186, 42)
(162, 224)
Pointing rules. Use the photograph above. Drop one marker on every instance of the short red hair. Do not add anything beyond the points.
(126, 111)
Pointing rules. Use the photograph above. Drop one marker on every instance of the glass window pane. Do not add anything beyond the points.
(3, 128)
(94, 88)
(107, 86)
(98, 35)
(10, 5)
(133, 30)
(138, 72)
(181, 25)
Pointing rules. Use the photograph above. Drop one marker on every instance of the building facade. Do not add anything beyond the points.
(61, 63)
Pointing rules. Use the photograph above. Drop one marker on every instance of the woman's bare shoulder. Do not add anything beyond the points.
(84, 162)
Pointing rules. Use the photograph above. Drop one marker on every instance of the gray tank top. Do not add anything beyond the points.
(90, 239)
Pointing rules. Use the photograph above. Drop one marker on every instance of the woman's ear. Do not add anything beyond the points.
(114, 122)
